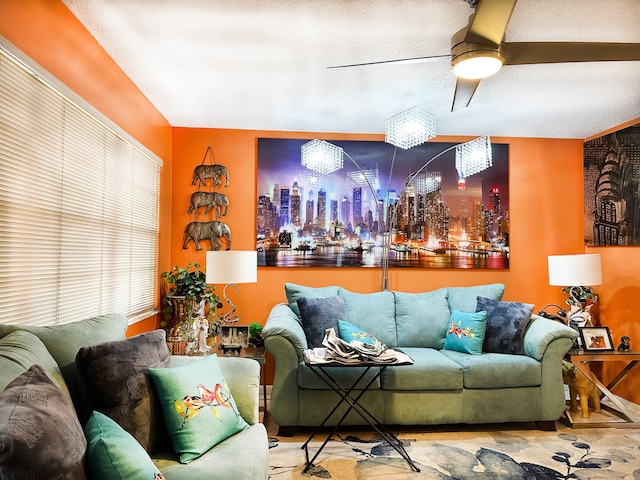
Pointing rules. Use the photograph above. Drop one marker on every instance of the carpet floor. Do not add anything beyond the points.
(512, 453)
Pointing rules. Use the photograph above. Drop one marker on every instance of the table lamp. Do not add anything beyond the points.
(574, 272)
(231, 267)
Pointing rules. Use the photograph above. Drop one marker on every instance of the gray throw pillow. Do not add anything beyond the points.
(115, 380)
(318, 314)
(40, 435)
(506, 325)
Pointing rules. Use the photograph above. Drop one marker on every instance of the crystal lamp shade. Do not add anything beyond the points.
(473, 157)
(426, 182)
(362, 178)
(410, 128)
(322, 157)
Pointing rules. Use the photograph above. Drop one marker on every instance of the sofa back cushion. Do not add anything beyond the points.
(64, 341)
(465, 299)
(372, 312)
(21, 350)
(422, 319)
(294, 292)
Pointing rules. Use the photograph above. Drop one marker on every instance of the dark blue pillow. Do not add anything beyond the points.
(318, 314)
(506, 325)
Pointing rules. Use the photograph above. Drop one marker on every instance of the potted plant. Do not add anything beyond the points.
(255, 335)
(189, 297)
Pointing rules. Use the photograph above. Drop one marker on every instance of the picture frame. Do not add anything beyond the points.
(235, 336)
(596, 339)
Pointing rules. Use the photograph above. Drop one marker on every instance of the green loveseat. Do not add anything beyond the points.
(442, 386)
(241, 456)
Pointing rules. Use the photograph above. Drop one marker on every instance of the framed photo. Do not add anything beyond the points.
(596, 339)
(234, 336)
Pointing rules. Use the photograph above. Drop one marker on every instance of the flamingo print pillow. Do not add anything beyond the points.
(198, 407)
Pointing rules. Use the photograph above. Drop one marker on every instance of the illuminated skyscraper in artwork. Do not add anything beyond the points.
(322, 209)
(295, 204)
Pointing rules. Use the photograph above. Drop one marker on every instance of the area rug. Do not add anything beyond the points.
(604, 453)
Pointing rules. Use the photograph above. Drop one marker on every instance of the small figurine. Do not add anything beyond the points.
(625, 344)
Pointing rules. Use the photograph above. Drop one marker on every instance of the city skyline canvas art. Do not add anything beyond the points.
(343, 219)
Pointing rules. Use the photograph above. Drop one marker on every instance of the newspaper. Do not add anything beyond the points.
(354, 352)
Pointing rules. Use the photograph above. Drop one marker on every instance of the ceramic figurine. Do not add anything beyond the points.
(625, 344)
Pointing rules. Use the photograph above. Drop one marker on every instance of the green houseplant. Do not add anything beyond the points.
(188, 298)
(255, 334)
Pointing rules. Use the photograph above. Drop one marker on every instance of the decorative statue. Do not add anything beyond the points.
(580, 385)
(625, 344)
(210, 200)
(200, 330)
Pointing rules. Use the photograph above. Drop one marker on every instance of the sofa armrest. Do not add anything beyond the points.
(541, 332)
(283, 322)
(285, 340)
(242, 376)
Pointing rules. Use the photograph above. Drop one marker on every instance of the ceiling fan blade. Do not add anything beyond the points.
(465, 88)
(526, 53)
(431, 58)
(490, 22)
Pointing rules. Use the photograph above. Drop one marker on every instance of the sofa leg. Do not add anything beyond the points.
(546, 426)
(289, 431)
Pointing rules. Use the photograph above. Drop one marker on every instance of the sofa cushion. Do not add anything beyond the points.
(372, 312)
(294, 292)
(20, 350)
(465, 299)
(430, 371)
(506, 324)
(344, 376)
(466, 332)
(497, 370)
(114, 379)
(422, 319)
(64, 341)
(349, 332)
(317, 315)
(198, 407)
(40, 435)
(114, 454)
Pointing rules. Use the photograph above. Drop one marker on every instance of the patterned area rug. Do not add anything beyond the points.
(604, 453)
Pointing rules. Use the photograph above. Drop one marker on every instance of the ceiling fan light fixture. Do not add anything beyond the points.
(477, 64)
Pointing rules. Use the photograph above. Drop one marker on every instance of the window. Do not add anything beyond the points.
(78, 207)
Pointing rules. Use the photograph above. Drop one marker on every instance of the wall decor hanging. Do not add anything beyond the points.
(373, 204)
(211, 200)
(612, 188)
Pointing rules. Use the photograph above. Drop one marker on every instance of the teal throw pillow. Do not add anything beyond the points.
(349, 332)
(114, 454)
(198, 407)
(466, 332)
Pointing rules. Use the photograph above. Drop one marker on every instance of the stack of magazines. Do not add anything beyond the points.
(336, 350)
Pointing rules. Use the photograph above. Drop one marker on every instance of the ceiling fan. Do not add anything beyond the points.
(478, 50)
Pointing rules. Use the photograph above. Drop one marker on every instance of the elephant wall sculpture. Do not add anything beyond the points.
(211, 231)
(209, 200)
(214, 172)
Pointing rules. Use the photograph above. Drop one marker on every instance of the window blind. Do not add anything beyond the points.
(79, 208)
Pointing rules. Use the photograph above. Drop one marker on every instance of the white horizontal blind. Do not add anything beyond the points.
(78, 210)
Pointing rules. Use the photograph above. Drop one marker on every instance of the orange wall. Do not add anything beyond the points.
(50, 34)
(545, 204)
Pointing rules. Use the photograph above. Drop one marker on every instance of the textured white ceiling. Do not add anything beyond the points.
(251, 64)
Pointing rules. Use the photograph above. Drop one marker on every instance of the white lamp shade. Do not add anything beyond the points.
(575, 270)
(232, 266)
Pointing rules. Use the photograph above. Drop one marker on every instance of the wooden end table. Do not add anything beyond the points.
(581, 359)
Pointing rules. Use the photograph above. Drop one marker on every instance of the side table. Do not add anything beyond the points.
(346, 395)
(581, 359)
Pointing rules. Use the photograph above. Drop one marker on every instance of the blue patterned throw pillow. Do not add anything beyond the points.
(318, 314)
(506, 325)
(466, 332)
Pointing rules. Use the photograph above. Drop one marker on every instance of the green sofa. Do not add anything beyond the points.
(55, 349)
(442, 386)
